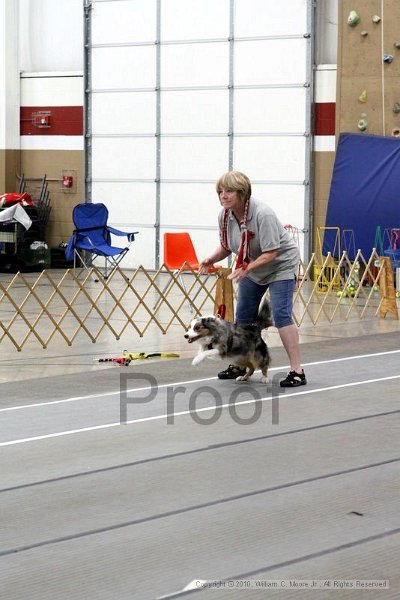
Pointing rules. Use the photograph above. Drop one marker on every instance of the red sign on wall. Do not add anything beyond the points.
(51, 120)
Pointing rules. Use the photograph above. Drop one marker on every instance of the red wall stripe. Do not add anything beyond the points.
(62, 120)
(325, 118)
(68, 120)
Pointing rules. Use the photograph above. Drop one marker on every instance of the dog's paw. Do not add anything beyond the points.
(197, 359)
(264, 379)
(242, 378)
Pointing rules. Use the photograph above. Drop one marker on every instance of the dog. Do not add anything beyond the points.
(241, 344)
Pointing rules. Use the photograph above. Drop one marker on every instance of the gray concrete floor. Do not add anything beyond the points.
(270, 487)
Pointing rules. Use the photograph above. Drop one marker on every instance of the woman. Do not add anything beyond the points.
(267, 259)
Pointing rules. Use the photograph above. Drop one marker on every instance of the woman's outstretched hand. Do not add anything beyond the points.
(205, 264)
(237, 274)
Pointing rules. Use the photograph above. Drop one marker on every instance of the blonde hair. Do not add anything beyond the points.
(236, 181)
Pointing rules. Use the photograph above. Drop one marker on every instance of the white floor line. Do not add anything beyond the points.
(188, 412)
(176, 383)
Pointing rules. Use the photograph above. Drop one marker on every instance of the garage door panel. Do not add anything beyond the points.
(124, 113)
(194, 158)
(188, 204)
(286, 200)
(195, 65)
(186, 20)
(200, 111)
(128, 202)
(124, 67)
(181, 92)
(270, 110)
(124, 21)
(142, 250)
(283, 62)
(276, 159)
(272, 17)
(123, 158)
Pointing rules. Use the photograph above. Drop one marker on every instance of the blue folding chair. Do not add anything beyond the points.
(91, 238)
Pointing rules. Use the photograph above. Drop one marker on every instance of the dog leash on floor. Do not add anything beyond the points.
(142, 355)
(128, 357)
(123, 362)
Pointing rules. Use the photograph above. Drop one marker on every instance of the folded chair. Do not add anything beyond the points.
(180, 256)
(91, 238)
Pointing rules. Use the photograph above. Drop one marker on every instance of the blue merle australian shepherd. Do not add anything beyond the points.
(241, 344)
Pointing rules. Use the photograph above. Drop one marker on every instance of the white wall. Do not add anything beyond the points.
(51, 31)
(51, 40)
(326, 32)
(51, 35)
(9, 80)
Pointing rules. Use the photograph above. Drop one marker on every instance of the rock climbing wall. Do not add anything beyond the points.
(368, 91)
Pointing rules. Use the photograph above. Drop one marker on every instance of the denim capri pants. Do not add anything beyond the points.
(281, 300)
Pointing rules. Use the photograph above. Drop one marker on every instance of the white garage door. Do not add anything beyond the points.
(179, 92)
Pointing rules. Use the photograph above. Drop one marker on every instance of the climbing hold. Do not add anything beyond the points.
(363, 97)
(376, 19)
(362, 124)
(397, 45)
(364, 33)
(388, 58)
(396, 132)
(396, 107)
(353, 19)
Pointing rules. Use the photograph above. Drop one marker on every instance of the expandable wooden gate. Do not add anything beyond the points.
(59, 304)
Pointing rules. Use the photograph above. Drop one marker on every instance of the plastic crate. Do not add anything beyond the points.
(38, 256)
(8, 236)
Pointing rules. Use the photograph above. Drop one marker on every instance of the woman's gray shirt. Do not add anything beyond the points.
(269, 234)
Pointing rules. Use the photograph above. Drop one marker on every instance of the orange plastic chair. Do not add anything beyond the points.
(179, 249)
(180, 256)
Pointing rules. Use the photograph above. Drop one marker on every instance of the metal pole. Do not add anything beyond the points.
(231, 81)
(309, 163)
(87, 83)
(158, 137)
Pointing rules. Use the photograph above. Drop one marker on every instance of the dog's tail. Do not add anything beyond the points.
(264, 317)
